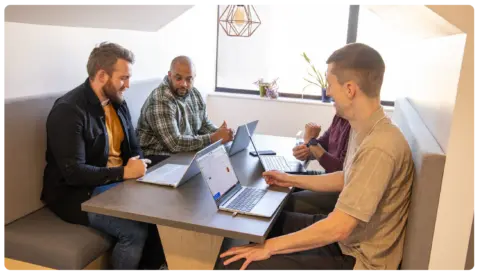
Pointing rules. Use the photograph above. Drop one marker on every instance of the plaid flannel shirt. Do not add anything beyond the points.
(170, 123)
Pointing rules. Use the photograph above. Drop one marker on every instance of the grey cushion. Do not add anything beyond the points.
(429, 160)
(25, 144)
(44, 239)
(136, 95)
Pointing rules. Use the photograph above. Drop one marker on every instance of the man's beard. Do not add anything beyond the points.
(181, 92)
(176, 91)
(112, 93)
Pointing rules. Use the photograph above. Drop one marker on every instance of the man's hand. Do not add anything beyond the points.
(301, 152)
(224, 133)
(278, 178)
(135, 168)
(251, 253)
(312, 130)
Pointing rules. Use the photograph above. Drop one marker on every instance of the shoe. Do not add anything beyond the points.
(163, 268)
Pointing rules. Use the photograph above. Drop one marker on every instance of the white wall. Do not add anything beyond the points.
(50, 59)
(194, 34)
(455, 210)
(427, 72)
(280, 117)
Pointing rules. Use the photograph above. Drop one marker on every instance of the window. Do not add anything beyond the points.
(274, 50)
(389, 42)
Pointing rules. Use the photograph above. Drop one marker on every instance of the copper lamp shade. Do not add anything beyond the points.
(239, 20)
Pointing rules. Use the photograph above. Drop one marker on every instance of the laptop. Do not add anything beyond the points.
(241, 140)
(176, 175)
(276, 162)
(229, 194)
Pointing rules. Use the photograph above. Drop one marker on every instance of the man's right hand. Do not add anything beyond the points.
(301, 152)
(224, 133)
(135, 168)
(275, 177)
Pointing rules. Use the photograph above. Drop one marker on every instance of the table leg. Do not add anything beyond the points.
(185, 249)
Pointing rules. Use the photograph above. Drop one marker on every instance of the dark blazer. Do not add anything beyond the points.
(77, 151)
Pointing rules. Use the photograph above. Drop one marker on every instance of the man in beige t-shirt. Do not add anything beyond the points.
(367, 228)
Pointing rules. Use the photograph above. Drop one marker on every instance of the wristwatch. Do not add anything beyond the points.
(312, 142)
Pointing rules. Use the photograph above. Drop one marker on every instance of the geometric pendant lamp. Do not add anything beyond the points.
(239, 20)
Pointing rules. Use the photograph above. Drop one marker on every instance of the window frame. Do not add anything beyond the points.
(352, 30)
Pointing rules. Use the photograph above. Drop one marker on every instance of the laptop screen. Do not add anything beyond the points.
(217, 172)
(255, 148)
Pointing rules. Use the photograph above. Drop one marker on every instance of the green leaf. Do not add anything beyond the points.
(311, 82)
(306, 57)
(309, 73)
(322, 82)
(306, 87)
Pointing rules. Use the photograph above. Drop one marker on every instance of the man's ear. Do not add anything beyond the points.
(351, 89)
(102, 76)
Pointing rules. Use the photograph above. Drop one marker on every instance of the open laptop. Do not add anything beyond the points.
(241, 140)
(175, 175)
(229, 194)
(276, 162)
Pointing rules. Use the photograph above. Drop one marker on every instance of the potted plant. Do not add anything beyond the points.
(317, 79)
(268, 89)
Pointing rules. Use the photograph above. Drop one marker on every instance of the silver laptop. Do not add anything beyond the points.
(241, 140)
(276, 162)
(175, 175)
(229, 194)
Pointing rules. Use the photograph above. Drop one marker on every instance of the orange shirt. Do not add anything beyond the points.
(115, 136)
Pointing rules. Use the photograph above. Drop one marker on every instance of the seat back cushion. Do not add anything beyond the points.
(25, 146)
(429, 160)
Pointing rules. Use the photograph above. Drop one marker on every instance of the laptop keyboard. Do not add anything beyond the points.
(247, 199)
(275, 163)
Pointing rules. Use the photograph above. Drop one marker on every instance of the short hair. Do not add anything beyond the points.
(105, 56)
(181, 60)
(361, 63)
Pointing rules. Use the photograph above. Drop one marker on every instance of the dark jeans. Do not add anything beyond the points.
(310, 202)
(130, 236)
(156, 159)
(153, 256)
(326, 257)
(138, 244)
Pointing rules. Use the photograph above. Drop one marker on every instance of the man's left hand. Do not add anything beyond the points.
(251, 253)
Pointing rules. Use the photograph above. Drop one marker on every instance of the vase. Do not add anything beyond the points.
(263, 90)
(325, 98)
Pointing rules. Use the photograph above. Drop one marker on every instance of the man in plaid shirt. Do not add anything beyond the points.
(174, 117)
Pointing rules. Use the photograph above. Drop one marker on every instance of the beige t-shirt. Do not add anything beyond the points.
(378, 178)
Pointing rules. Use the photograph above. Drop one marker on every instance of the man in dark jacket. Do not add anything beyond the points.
(91, 147)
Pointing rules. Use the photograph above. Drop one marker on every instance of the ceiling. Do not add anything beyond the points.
(415, 20)
(127, 17)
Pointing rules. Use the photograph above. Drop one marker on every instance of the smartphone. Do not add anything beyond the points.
(263, 152)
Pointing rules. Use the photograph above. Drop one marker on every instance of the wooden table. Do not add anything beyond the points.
(189, 224)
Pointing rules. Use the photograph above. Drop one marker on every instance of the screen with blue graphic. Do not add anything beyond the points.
(217, 171)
